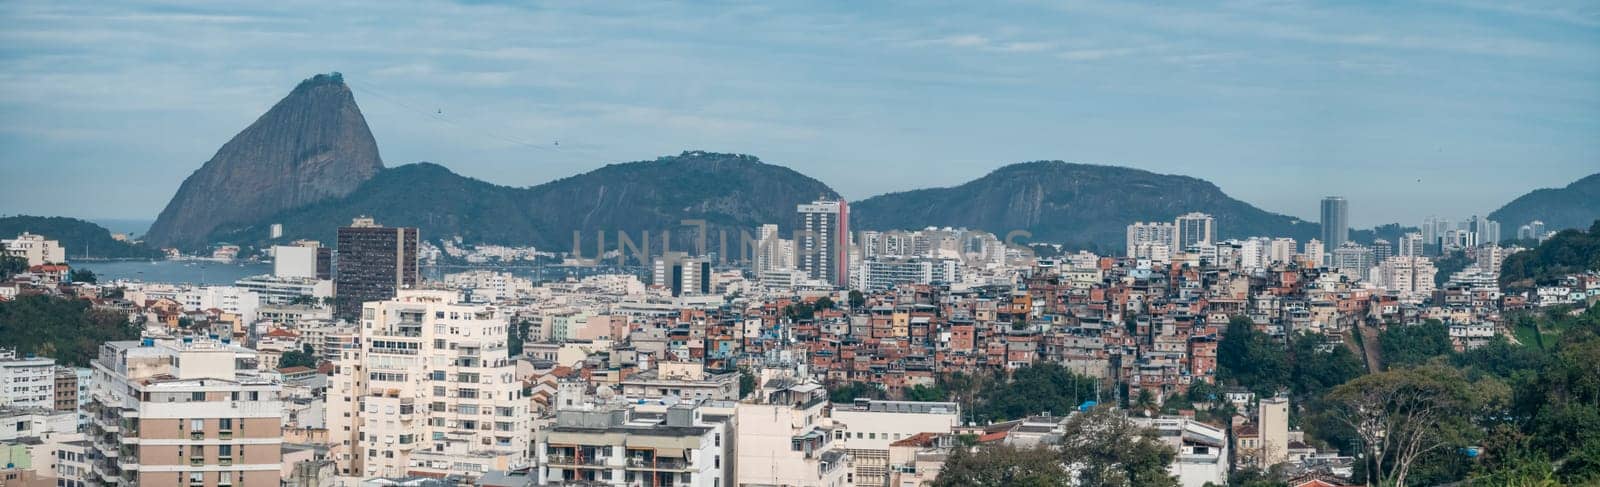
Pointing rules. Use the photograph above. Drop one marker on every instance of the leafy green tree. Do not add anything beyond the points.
(1316, 365)
(304, 357)
(1251, 359)
(921, 392)
(68, 330)
(1106, 448)
(1404, 415)
(11, 265)
(856, 299)
(747, 382)
(848, 393)
(518, 337)
(1404, 345)
(83, 276)
(1002, 466)
(1036, 389)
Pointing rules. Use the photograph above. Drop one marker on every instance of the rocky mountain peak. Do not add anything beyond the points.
(313, 145)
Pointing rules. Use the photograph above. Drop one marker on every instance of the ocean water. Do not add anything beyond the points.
(173, 271)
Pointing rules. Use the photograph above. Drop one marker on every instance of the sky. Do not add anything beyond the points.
(1408, 110)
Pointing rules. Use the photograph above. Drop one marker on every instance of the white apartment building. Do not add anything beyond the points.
(616, 445)
(1410, 277)
(184, 412)
(786, 439)
(484, 286)
(1202, 449)
(429, 390)
(27, 382)
(1281, 250)
(1314, 252)
(1143, 237)
(866, 428)
(35, 248)
(683, 380)
(277, 291)
(230, 299)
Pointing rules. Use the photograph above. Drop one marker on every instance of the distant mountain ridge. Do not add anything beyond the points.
(311, 146)
(730, 192)
(1081, 205)
(1575, 206)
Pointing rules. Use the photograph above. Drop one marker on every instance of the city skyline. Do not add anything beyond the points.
(1268, 101)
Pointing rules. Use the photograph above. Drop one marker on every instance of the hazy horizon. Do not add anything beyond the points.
(1406, 110)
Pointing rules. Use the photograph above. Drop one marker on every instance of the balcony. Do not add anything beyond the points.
(658, 464)
(197, 435)
(225, 461)
(197, 462)
(224, 435)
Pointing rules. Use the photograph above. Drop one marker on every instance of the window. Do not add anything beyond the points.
(224, 478)
(224, 450)
(225, 424)
(197, 396)
(197, 424)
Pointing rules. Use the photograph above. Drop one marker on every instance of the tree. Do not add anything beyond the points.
(519, 334)
(304, 357)
(747, 382)
(823, 303)
(924, 393)
(1042, 388)
(848, 393)
(856, 299)
(1251, 359)
(11, 265)
(1415, 344)
(1106, 448)
(1316, 365)
(68, 330)
(1403, 415)
(1002, 466)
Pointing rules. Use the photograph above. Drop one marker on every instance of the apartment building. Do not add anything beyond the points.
(428, 389)
(26, 381)
(785, 438)
(1202, 449)
(189, 412)
(621, 446)
(687, 380)
(35, 248)
(867, 428)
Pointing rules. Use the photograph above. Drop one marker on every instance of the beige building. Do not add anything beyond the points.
(1274, 430)
(187, 412)
(686, 380)
(867, 428)
(35, 248)
(431, 390)
(785, 438)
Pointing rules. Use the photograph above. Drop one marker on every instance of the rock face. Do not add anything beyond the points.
(1575, 206)
(311, 146)
(1081, 205)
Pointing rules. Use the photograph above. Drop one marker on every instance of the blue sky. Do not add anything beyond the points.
(1447, 108)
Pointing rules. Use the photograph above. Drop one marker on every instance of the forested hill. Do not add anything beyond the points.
(82, 239)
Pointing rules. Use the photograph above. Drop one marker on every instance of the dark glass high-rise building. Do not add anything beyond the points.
(374, 262)
(1335, 222)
